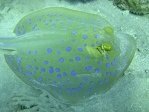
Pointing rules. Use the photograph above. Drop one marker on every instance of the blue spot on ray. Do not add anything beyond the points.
(84, 36)
(59, 76)
(109, 73)
(77, 58)
(34, 52)
(28, 73)
(107, 57)
(88, 68)
(99, 63)
(68, 49)
(80, 49)
(29, 21)
(28, 51)
(64, 74)
(61, 60)
(103, 81)
(35, 27)
(74, 33)
(28, 67)
(46, 62)
(57, 69)
(107, 65)
(21, 30)
(51, 70)
(97, 70)
(73, 73)
(114, 62)
(97, 36)
(49, 50)
(42, 70)
(19, 60)
(39, 79)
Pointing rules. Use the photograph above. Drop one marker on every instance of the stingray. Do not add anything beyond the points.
(71, 54)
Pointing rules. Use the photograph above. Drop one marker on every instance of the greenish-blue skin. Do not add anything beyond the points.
(56, 50)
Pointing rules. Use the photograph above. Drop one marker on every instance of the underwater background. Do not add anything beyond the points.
(129, 94)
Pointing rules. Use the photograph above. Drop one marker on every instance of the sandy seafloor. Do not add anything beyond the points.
(129, 94)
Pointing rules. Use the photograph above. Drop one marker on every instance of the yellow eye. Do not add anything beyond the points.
(106, 47)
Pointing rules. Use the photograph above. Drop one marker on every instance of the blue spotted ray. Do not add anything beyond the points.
(71, 54)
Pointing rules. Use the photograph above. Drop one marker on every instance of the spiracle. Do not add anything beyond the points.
(138, 7)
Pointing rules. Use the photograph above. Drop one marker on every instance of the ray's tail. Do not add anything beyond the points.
(6, 46)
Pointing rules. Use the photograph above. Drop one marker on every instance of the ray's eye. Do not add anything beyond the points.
(104, 47)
